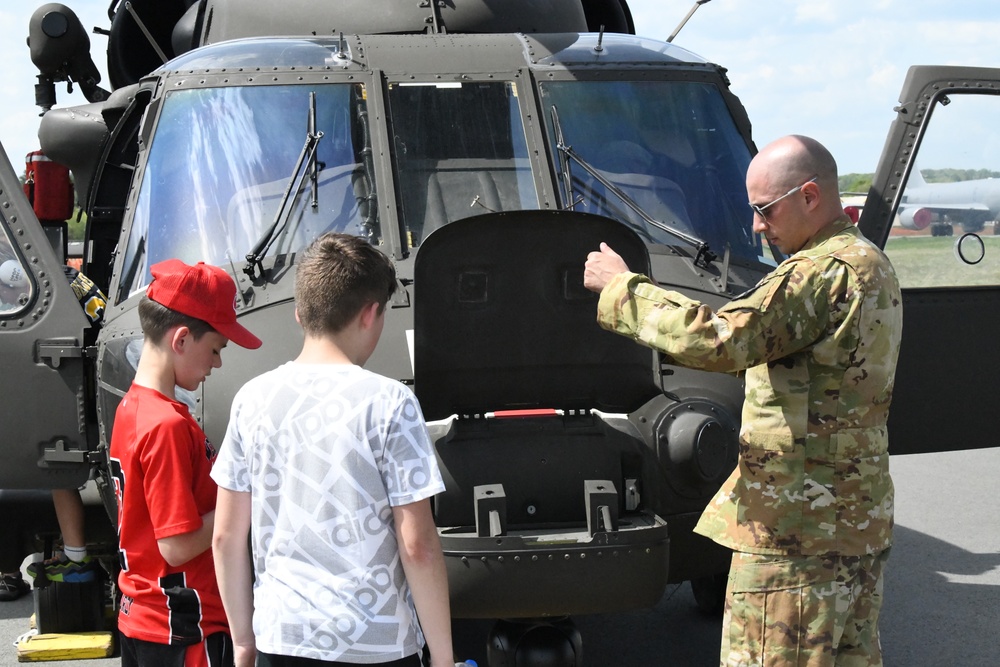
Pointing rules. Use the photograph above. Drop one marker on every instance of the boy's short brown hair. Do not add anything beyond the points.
(337, 276)
(156, 320)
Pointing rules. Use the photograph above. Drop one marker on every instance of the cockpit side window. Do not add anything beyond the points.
(946, 231)
(17, 287)
(220, 164)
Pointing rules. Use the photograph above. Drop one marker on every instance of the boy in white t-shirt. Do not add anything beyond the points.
(329, 468)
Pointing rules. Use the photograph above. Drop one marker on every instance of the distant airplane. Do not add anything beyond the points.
(940, 205)
(853, 203)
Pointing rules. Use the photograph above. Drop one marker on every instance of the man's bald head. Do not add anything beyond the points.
(792, 160)
(780, 174)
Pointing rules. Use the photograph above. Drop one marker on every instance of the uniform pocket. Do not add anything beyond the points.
(776, 573)
(772, 612)
(772, 441)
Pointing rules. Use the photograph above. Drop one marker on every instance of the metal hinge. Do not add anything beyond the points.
(61, 454)
(55, 350)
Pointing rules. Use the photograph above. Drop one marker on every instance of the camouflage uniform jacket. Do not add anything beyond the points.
(818, 338)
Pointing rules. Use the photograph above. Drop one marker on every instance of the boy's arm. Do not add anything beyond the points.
(179, 549)
(423, 564)
(232, 569)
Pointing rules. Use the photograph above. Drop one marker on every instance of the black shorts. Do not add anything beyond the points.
(215, 651)
(268, 660)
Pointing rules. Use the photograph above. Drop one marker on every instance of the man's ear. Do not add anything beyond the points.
(812, 194)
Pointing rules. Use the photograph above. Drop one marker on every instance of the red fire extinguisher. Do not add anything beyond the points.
(48, 187)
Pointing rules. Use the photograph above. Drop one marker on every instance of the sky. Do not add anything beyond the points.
(830, 69)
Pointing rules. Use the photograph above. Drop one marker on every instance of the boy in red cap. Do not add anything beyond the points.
(171, 612)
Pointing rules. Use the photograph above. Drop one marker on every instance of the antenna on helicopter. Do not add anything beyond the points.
(145, 31)
(697, 4)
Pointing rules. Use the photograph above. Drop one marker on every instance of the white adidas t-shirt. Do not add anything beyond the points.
(326, 451)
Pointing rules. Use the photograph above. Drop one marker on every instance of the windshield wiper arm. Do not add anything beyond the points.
(703, 254)
(295, 182)
(564, 164)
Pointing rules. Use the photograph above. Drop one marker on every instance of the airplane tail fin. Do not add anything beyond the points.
(916, 179)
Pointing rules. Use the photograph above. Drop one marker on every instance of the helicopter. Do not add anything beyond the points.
(486, 149)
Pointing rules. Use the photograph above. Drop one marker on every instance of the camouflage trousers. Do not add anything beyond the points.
(808, 611)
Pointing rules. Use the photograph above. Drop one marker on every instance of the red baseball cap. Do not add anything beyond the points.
(202, 291)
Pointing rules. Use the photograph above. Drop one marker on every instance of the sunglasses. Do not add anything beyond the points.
(759, 210)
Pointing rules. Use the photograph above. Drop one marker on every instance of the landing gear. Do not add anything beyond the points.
(710, 593)
(535, 643)
(942, 229)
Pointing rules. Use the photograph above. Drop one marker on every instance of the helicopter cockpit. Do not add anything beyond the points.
(276, 161)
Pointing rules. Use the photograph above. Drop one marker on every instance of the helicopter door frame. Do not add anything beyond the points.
(43, 434)
(947, 347)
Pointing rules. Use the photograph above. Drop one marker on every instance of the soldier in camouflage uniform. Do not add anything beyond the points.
(808, 510)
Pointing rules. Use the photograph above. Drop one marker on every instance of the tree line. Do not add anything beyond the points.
(860, 183)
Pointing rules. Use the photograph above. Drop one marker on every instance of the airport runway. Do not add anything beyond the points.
(942, 586)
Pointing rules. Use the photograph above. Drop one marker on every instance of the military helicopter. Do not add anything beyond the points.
(486, 149)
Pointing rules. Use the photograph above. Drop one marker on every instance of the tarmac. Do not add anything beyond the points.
(942, 589)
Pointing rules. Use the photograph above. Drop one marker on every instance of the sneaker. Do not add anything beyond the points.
(12, 586)
(61, 569)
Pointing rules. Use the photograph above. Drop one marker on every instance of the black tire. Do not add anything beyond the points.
(710, 593)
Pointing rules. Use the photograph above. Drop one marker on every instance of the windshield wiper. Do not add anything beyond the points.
(703, 254)
(564, 165)
(292, 190)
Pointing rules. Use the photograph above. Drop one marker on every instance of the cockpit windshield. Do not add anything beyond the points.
(459, 151)
(670, 146)
(221, 162)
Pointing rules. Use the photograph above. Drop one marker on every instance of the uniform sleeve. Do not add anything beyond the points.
(409, 467)
(784, 313)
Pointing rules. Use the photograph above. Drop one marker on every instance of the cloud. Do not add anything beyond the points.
(829, 69)
(823, 12)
